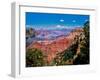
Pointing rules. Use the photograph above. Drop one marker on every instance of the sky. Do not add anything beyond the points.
(54, 20)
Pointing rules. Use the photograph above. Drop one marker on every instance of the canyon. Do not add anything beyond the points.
(52, 47)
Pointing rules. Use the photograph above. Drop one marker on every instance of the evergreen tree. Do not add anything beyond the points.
(34, 57)
(83, 58)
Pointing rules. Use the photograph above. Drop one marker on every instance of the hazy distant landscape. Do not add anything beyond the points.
(56, 44)
(42, 35)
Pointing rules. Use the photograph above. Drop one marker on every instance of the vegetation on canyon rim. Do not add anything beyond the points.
(77, 53)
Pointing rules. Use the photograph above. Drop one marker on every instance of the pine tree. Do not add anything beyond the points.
(34, 57)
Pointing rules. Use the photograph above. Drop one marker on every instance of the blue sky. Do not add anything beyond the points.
(48, 20)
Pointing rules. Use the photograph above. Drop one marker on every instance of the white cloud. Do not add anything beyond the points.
(61, 20)
(68, 27)
(59, 26)
(86, 20)
(74, 21)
